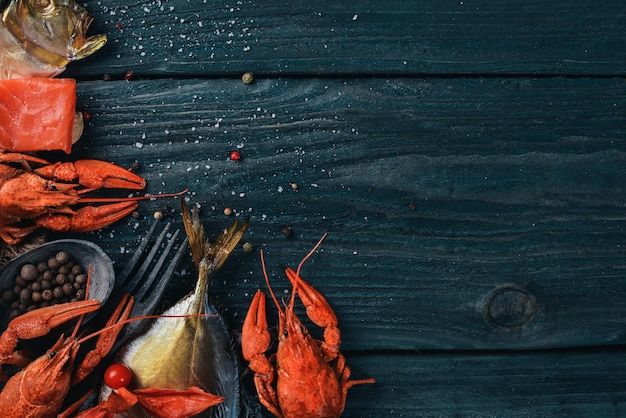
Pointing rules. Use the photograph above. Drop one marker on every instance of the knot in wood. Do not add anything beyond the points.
(510, 307)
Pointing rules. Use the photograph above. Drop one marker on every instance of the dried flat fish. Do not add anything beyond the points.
(39, 38)
(179, 353)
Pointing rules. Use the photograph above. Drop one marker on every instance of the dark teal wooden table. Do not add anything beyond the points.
(467, 159)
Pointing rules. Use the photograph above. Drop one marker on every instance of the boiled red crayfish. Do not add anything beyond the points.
(306, 377)
(40, 389)
(44, 197)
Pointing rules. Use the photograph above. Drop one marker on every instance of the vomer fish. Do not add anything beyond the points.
(38, 38)
(193, 351)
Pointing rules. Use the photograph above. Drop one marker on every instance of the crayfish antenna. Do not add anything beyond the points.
(304, 259)
(267, 281)
(138, 318)
(129, 199)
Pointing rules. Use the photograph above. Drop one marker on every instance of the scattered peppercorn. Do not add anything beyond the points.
(29, 272)
(68, 289)
(53, 264)
(25, 295)
(55, 280)
(81, 279)
(235, 156)
(247, 78)
(19, 281)
(36, 297)
(62, 257)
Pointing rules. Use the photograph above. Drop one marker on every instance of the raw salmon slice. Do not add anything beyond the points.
(37, 114)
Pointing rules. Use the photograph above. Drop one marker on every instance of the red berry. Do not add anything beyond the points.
(117, 376)
(235, 156)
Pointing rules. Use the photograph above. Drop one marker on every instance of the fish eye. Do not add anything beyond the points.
(51, 354)
(285, 334)
(43, 6)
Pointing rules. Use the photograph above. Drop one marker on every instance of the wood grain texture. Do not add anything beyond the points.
(517, 384)
(435, 193)
(174, 38)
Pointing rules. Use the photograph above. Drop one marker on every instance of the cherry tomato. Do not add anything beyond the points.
(117, 376)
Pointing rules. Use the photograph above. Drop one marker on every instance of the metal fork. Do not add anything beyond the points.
(148, 290)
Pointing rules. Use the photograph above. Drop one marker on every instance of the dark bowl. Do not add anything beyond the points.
(82, 252)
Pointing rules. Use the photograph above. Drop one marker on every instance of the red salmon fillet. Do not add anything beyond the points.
(37, 114)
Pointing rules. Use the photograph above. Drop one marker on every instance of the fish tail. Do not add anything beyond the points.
(195, 232)
(212, 255)
(226, 243)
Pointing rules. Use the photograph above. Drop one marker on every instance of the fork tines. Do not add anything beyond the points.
(139, 278)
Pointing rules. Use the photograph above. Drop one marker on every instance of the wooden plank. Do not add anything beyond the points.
(166, 38)
(516, 384)
(441, 196)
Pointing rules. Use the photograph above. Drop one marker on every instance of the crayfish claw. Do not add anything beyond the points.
(106, 340)
(93, 175)
(256, 337)
(97, 174)
(317, 308)
(88, 218)
(39, 322)
(176, 403)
